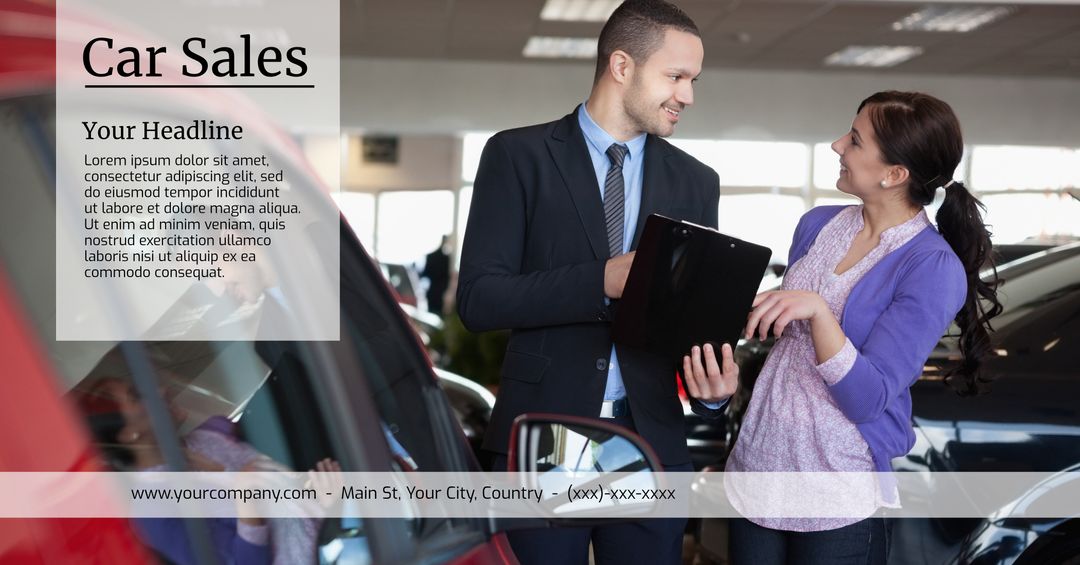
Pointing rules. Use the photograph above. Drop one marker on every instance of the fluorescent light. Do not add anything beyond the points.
(560, 47)
(952, 18)
(578, 10)
(872, 55)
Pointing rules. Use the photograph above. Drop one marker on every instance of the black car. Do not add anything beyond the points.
(1029, 420)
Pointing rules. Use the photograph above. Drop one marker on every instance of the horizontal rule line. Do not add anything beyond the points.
(199, 86)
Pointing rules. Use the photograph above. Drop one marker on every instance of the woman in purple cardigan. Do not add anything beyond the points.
(869, 291)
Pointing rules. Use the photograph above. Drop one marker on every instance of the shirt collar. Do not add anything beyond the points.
(600, 140)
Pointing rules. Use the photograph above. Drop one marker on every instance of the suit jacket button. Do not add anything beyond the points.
(601, 364)
(601, 315)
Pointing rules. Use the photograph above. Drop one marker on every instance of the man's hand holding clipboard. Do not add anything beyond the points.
(707, 378)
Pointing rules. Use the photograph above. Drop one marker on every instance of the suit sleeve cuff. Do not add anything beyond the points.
(714, 405)
(834, 369)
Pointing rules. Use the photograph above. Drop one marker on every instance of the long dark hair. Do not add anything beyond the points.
(921, 133)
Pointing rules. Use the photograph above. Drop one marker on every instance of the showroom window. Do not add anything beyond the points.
(472, 145)
(1021, 216)
(1026, 190)
(765, 219)
(752, 163)
(762, 187)
(411, 223)
(1012, 167)
(464, 205)
(359, 210)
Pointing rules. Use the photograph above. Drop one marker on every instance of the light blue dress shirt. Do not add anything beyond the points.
(598, 141)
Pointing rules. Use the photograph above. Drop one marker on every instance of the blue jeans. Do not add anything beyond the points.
(861, 543)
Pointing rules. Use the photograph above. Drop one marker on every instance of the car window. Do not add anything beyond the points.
(228, 404)
(221, 406)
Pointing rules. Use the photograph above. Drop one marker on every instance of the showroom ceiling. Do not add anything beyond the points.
(1026, 40)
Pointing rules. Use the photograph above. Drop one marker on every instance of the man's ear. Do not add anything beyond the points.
(620, 66)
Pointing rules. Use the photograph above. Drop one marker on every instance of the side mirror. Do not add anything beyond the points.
(564, 455)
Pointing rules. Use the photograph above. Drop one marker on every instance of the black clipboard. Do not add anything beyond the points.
(689, 285)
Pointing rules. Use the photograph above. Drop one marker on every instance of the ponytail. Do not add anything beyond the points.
(960, 222)
(922, 133)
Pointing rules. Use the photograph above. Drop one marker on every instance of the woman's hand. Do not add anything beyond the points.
(247, 513)
(326, 477)
(778, 308)
(708, 380)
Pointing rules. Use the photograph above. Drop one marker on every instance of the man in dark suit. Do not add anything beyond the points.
(437, 272)
(557, 210)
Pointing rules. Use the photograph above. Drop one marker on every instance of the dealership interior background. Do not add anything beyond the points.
(781, 80)
(424, 84)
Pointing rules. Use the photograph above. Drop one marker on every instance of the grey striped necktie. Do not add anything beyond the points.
(613, 198)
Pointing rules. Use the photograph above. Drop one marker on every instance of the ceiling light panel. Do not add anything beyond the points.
(578, 10)
(955, 19)
(872, 55)
(560, 47)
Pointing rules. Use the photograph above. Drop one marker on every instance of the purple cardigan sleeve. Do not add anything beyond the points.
(168, 536)
(246, 552)
(928, 295)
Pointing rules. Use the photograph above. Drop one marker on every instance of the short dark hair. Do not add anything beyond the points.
(638, 27)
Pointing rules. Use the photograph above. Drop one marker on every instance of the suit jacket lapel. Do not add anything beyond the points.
(567, 147)
(655, 175)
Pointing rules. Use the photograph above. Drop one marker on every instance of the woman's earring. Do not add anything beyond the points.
(883, 184)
